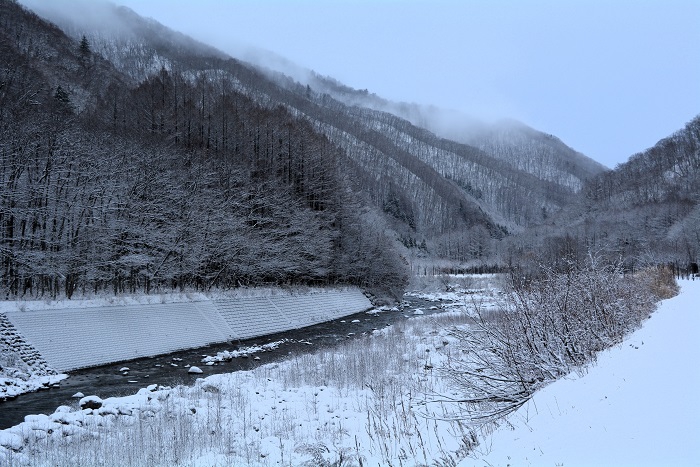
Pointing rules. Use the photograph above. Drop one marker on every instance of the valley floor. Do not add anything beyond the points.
(636, 406)
(367, 401)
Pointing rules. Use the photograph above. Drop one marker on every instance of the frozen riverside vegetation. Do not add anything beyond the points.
(368, 402)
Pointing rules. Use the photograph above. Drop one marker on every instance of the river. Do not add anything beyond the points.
(170, 369)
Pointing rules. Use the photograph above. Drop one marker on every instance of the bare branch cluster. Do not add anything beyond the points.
(545, 328)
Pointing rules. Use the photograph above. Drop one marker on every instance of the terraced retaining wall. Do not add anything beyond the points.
(69, 339)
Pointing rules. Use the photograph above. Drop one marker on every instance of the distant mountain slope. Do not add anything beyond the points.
(539, 154)
(668, 171)
(525, 148)
(652, 201)
(646, 211)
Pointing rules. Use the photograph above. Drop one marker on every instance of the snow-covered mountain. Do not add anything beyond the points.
(170, 146)
(524, 158)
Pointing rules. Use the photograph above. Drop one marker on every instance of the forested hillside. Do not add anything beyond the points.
(519, 146)
(650, 205)
(644, 212)
(136, 159)
(175, 181)
(448, 198)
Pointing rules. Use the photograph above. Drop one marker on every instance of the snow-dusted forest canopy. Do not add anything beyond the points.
(135, 159)
(175, 181)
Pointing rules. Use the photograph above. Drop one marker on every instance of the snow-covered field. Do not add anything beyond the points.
(368, 402)
(637, 406)
(360, 402)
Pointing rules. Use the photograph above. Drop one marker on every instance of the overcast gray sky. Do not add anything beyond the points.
(609, 77)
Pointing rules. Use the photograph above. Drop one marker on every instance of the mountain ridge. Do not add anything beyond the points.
(361, 169)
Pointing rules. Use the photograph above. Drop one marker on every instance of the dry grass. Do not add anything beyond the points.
(660, 281)
(358, 403)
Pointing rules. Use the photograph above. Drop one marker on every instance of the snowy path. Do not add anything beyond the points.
(637, 406)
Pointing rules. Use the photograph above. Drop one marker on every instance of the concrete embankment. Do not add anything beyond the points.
(69, 339)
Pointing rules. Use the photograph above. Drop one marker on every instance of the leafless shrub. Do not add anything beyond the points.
(546, 327)
(659, 280)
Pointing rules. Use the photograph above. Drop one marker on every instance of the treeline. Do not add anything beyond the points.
(180, 182)
(668, 171)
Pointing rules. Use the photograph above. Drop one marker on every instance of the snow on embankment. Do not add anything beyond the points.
(22, 369)
(77, 338)
(80, 337)
(636, 406)
(257, 316)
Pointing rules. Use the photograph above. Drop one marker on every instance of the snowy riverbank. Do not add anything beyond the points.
(359, 400)
(635, 407)
(365, 401)
(37, 338)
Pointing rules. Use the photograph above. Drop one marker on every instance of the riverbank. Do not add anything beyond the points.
(124, 378)
(634, 407)
(360, 399)
(40, 339)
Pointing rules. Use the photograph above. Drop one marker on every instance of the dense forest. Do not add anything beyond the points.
(175, 182)
(135, 159)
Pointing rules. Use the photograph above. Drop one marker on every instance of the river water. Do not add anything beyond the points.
(170, 370)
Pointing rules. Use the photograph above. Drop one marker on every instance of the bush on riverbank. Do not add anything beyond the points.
(548, 326)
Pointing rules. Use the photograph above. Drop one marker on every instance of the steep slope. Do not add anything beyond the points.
(419, 201)
(39, 55)
(645, 211)
(524, 148)
(449, 197)
(499, 162)
(544, 156)
(651, 202)
(110, 183)
(469, 185)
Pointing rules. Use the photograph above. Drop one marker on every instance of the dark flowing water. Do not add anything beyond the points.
(169, 370)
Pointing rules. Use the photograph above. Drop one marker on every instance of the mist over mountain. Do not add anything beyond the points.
(136, 158)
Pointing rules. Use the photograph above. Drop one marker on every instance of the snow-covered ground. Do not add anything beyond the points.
(637, 406)
(360, 401)
(365, 401)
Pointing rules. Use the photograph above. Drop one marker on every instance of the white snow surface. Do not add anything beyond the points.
(635, 407)
(15, 386)
(228, 355)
